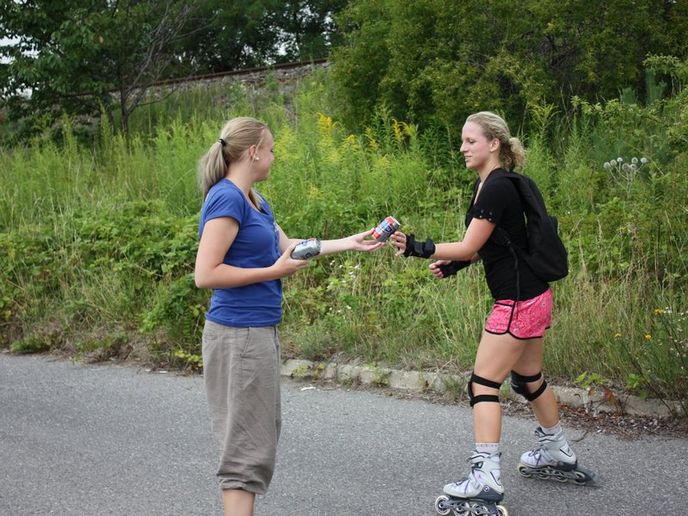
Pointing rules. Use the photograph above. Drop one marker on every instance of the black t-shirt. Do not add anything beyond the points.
(500, 203)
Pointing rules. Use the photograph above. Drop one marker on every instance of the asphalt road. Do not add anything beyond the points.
(102, 439)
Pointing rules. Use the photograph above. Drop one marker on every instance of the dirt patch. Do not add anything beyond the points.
(623, 425)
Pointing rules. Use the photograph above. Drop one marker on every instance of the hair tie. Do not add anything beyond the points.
(222, 142)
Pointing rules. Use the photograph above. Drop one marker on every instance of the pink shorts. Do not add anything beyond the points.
(526, 320)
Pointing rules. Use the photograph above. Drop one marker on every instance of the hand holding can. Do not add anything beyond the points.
(306, 249)
(385, 229)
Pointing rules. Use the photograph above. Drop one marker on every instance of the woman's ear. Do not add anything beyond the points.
(494, 145)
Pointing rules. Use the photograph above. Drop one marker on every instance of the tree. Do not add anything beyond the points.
(237, 34)
(436, 61)
(306, 28)
(361, 63)
(247, 33)
(81, 55)
(78, 56)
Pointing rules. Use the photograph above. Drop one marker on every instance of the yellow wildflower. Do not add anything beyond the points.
(397, 128)
(325, 123)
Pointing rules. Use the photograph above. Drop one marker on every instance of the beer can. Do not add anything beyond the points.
(385, 229)
(306, 249)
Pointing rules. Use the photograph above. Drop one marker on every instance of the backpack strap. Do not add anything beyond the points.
(501, 237)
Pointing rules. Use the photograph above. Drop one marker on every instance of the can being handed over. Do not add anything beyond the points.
(306, 249)
(385, 229)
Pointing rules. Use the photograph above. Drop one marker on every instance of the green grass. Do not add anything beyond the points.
(104, 236)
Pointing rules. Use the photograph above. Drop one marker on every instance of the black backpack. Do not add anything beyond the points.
(546, 256)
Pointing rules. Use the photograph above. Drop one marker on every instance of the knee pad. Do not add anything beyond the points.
(518, 384)
(493, 398)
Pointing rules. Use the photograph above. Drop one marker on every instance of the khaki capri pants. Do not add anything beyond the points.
(241, 369)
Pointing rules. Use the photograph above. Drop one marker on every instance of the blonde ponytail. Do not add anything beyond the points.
(235, 138)
(211, 168)
(517, 154)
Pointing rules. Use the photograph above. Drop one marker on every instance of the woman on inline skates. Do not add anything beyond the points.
(512, 342)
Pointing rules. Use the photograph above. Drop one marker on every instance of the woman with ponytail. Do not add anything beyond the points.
(242, 256)
(512, 342)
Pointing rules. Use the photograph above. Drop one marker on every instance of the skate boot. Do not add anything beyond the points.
(553, 459)
(478, 494)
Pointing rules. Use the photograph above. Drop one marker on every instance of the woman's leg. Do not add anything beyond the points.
(494, 360)
(545, 406)
(241, 373)
(238, 502)
(552, 457)
(496, 357)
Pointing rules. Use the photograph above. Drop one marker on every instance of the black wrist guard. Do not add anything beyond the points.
(420, 249)
(453, 267)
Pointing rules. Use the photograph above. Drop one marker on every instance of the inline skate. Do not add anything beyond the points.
(478, 494)
(553, 459)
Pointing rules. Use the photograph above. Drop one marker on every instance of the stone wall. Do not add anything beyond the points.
(254, 77)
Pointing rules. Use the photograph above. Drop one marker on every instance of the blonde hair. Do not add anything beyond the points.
(511, 152)
(235, 138)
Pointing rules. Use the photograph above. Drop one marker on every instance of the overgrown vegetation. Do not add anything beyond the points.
(101, 241)
(437, 61)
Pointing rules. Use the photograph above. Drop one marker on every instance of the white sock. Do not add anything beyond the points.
(552, 430)
(489, 448)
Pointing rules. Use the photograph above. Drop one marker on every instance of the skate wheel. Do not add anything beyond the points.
(502, 510)
(441, 505)
(559, 476)
(581, 478)
(523, 470)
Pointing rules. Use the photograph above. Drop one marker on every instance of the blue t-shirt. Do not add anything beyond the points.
(256, 245)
